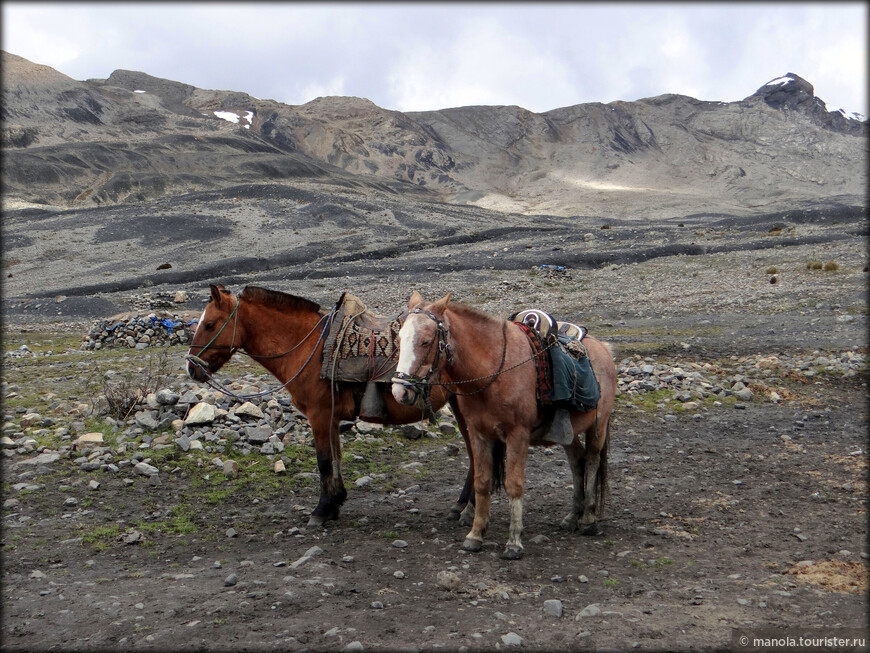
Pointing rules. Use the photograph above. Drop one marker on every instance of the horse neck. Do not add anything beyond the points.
(478, 344)
(270, 332)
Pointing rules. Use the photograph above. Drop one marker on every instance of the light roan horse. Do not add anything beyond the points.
(285, 333)
(487, 362)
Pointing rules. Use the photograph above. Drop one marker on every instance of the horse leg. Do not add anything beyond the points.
(463, 510)
(327, 445)
(596, 478)
(482, 452)
(517, 453)
(575, 453)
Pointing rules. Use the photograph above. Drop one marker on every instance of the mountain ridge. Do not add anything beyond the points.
(133, 137)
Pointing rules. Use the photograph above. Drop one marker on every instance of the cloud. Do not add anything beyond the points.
(483, 63)
(417, 56)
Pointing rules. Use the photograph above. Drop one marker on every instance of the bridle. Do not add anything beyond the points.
(234, 316)
(443, 348)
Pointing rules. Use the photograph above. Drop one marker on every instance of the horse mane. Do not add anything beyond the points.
(470, 312)
(278, 299)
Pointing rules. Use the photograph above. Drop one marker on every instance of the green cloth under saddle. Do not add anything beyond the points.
(574, 382)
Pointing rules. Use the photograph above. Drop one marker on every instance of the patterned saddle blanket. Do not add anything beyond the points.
(565, 375)
(360, 346)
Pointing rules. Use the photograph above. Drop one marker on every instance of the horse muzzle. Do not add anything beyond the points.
(405, 389)
(197, 369)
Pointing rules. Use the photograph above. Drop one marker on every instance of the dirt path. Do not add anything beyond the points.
(710, 515)
(740, 516)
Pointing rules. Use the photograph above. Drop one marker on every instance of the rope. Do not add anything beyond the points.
(332, 383)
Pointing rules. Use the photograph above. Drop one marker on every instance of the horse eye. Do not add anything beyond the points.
(209, 326)
(426, 342)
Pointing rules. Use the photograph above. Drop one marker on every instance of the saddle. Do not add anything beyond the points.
(566, 380)
(360, 346)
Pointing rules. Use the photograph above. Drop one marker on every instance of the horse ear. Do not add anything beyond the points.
(415, 301)
(216, 294)
(441, 304)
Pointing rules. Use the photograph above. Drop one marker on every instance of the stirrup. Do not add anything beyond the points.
(372, 405)
(560, 431)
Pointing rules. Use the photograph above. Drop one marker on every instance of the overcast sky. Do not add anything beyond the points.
(419, 56)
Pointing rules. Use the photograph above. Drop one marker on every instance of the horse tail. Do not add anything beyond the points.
(601, 474)
(499, 452)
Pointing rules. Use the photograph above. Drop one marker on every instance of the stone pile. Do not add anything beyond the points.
(137, 332)
(196, 419)
(152, 301)
(692, 381)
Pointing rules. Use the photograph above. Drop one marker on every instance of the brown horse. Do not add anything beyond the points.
(285, 335)
(487, 362)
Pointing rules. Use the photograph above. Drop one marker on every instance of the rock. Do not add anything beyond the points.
(88, 440)
(144, 469)
(42, 459)
(553, 607)
(133, 537)
(590, 610)
(412, 432)
(29, 420)
(279, 467)
(231, 580)
(745, 394)
(512, 639)
(258, 434)
(231, 468)
(400, 544)
(166, 397)
(249, 410)
(449, 580)
(306, 557)
(201, 413)
(354, 646)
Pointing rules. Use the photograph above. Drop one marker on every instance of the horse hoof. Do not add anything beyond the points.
(454, 515)
(568, 524)
(591, 529)
(316, 520)
(472, 545)
(512, 554)
(466, 520)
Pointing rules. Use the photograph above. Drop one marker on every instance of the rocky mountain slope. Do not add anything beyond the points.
(135, 185)
(134, 138)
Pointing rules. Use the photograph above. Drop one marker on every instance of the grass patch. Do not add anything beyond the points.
(101, 537)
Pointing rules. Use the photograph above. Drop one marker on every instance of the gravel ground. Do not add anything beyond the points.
(726, 513)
